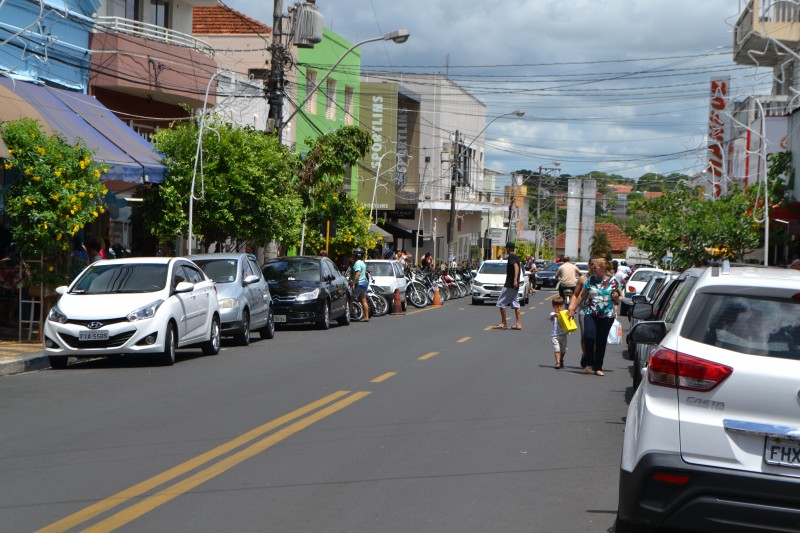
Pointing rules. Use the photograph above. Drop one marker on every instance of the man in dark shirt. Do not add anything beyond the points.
(508, 296)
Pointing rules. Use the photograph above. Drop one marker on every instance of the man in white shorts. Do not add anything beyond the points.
(508, 296)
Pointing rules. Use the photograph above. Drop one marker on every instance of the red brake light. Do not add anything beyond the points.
(676, 370)
(671, 479)
(630, 288)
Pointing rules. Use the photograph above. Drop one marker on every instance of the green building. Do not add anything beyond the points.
(336, 102)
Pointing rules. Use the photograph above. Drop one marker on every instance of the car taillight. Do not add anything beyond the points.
(676, 370)
(630, 288)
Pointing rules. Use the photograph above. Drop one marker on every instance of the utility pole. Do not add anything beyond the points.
(538, 214)
(275, 88)
(453, 181)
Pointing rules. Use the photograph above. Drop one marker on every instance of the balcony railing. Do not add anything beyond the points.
(762, 24)
(154, 33)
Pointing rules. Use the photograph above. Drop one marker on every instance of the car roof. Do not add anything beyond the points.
(749, 276)
(140, 260)
(220, 255)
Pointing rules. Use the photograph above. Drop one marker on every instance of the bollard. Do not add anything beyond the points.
(397, 306)
(437, 300)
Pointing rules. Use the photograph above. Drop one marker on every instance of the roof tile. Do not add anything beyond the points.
(222, 20)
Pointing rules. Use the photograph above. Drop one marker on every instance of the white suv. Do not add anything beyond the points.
(712, 436)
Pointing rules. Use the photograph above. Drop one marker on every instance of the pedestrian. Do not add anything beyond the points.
(508, 296)
(530, 266)
(359, 282)
(557, 335)
(599, 294)
(427, 261)
(93, 250)
(567, 276)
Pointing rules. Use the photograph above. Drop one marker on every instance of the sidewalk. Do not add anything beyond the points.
(17, 357)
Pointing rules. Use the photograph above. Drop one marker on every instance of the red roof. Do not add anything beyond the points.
(621, 189)
(617, 239)
(653, 194)
(222, 20)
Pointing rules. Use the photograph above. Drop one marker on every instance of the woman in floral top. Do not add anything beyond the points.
(598, 296)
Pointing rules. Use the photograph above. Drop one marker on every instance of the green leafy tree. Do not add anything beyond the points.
(245, 188)
(55, 192)
(600, 246)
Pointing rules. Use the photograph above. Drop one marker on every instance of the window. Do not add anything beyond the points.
(348, 106)
(258, 73)
(311, 82)
(330, 105)
(158, 11)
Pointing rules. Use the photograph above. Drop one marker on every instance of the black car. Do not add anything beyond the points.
(547, 276)
(307, 289)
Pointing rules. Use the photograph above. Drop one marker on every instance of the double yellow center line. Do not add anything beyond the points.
(316, 411)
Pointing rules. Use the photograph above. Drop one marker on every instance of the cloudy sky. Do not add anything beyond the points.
(619, 86)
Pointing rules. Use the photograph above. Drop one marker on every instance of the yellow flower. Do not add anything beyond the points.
(90, 195)
(66, 217)
(101, 209)
(45, 225)
(96, 173)
(50, 268)
(82, 165)
(71, 211)
(55, 197)
(9, 165)
(82, 194)
(105, 191)
(58, 237)
(40, 150)
(37, 178)
(28, 171)
(58, 174)
(73, 199)
(94, 214)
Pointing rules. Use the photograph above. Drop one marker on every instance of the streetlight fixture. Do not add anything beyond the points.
(398, 36)
(458, 153)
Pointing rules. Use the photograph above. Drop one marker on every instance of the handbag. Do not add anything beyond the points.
(615, 334)
(566, 322)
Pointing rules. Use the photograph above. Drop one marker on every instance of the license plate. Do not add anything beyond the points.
(494, 294)
(784, 452)
(99, 335)
(280, 318)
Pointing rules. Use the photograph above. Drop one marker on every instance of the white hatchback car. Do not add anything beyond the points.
(712, 435)
(138, 305)
(488, 281)
(388, 275)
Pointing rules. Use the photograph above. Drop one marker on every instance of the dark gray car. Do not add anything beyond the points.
(245, 303)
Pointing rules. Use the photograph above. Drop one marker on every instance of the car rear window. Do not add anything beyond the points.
(751, 325)
(380, 269)
(644, 275)
(219, 270)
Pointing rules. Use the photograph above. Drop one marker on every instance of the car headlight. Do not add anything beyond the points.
(56, 315)
(143, 313)
(228, 303)
(477, 283)
(305, 296)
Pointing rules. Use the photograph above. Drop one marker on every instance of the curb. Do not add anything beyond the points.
(25, 363)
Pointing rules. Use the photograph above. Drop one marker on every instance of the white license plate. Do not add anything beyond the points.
(784, 452)
(280, 318)
(494, 294)
(99, 335)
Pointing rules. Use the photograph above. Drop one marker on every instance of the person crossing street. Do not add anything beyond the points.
(508, 296)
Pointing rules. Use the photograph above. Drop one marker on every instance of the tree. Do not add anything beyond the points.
(245, 188)
(601, 246)
(56, 191)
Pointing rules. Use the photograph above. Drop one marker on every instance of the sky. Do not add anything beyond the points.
(619, 86)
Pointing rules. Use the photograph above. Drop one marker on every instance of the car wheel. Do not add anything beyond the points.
(58, 362)
(170, 345)
(620, 526)
(344, 320)
(243, 336)
(637, 371)
(211, 346)
(268, 331)
(325, 322)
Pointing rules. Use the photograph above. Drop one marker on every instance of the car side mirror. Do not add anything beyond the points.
(249, 280)
(184, 286)
(642, 310)
(648, 332)
(61, 290)
(638, 298)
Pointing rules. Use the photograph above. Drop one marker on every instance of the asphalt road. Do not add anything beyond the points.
(425, 422)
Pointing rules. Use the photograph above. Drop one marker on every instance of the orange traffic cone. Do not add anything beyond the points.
(437, 300)
(397, 306)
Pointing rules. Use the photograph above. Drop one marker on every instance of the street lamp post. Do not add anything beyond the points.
(458, 153)
(397, 36)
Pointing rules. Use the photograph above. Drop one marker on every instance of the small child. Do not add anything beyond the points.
(557, 335)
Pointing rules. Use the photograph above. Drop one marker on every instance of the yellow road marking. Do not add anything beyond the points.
(428, 356)
(428, 308)
(384, 377)
(170, 493)
(463, 339)
(137, 490)
(488, 328)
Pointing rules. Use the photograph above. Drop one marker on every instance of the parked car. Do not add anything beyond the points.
(583, 268)
(307, 289)
(634, 284)
(134, 306)
(488, 281)
(651, 309)
(546, 277)
(388, 275)
(712, 440)
(245, 303)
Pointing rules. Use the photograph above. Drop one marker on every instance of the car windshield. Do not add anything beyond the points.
(118, 278)
(380, 269)
(493, 268)
(644, 275)
(746, 324)
(292, 270)
(553, 267)
(219, 270)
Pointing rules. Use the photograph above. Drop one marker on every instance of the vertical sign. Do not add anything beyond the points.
(717, 134)
(378, 170)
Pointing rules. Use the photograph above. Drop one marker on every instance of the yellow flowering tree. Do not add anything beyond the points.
(55, 191)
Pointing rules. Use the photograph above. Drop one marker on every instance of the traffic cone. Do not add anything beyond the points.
(397, 306)
(437, 301)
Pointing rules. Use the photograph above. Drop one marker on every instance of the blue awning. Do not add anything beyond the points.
(130, 158)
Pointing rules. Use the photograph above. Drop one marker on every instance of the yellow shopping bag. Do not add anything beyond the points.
(566, 322)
